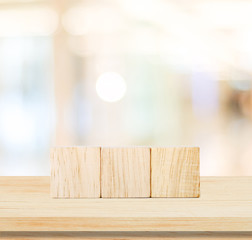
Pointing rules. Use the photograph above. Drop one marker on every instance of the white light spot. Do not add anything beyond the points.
(111, 87)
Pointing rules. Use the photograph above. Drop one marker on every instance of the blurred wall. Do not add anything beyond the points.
(124, 72)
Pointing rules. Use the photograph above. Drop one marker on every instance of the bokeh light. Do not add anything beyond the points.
(111, 87)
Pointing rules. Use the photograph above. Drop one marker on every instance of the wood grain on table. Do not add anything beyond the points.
(225, 204)
(126, 235)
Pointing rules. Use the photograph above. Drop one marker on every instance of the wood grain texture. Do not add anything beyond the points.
(125, 172)
(175, 172)
(225, 204)
(126, 235)
(75, 172)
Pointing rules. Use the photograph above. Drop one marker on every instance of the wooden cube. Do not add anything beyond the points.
(175, 172)
(125, 172)
(75, 172)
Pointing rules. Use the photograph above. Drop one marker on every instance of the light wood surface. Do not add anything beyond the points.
(225, 204)
(127, 235)
(93, 172)
(175, 172)
(75, 172)
(125, 172)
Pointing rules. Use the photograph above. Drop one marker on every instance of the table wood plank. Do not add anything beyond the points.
(225, 204)
(126, 235)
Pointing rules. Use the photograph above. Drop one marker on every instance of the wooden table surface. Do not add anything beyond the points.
(225, 204)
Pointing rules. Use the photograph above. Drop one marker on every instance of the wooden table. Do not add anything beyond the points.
(225, 205)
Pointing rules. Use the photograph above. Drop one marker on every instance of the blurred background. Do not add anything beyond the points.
(126, 72)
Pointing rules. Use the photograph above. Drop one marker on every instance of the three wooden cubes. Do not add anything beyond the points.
(94, 172)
